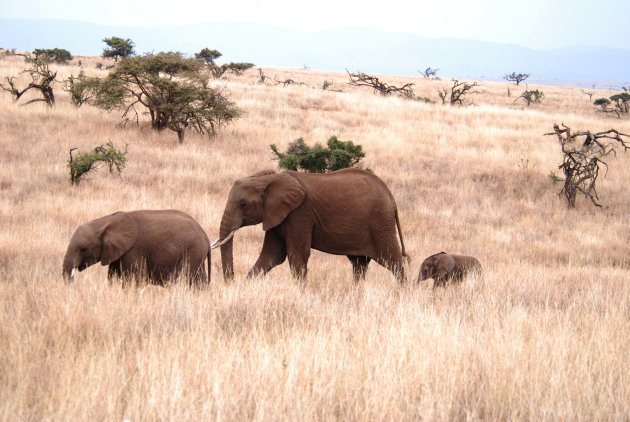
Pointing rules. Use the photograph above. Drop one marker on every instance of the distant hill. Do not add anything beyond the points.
(357, 49)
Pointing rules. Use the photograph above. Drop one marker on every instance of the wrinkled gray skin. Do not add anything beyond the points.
(348, 212)
(151, 244)
(444, 267)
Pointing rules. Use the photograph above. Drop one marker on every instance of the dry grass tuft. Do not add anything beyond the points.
(542, 335)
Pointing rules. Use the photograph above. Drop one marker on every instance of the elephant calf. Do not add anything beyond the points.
(443, 267)
(154, 244)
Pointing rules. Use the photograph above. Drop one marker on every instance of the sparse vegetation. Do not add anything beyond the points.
(541, 335)
(217, 70)
(82, 88)
(383, 88)
(581, 165)
(620, 102)
(531, 96)
(172, 88)
(429, 72)
(516, 77)
(317, 159)
(42, 78)
(84, 162)
(53, 55)
(457, 92)
(118, 48)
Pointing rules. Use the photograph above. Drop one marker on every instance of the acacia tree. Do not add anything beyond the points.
(42, 79)
(533, 96)
(118, 48)
(209, 56)
(516, 77)
(173, 89)
(57, 55)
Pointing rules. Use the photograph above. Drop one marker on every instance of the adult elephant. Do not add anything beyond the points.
(152, 244)
(347, 212)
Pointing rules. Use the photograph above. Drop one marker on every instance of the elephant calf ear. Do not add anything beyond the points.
(118, 237)
(282, 195)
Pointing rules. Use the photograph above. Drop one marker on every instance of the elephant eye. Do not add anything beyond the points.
(83, 249)
(243, 204)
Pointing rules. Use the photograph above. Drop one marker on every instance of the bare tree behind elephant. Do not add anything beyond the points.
(347, 212)
(151, 244)
(444, 267)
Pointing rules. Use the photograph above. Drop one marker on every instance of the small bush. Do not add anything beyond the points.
(82, 88)
(317, 159)
(84, 162)
(533, 96)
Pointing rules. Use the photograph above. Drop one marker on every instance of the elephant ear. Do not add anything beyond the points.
(281, 196)
(119, 236)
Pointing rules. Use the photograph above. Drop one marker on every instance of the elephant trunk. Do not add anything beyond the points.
(69, 269)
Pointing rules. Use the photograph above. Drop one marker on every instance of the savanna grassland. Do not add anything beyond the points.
(543, 334)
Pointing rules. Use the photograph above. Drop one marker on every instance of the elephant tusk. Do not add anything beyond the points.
(220, 242)
(72, 273)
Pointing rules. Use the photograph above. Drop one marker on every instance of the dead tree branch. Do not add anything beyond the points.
(429, 72)
(581, 164)
(363, 79)
(457, 92)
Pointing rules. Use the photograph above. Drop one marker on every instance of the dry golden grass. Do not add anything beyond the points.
(544, 334)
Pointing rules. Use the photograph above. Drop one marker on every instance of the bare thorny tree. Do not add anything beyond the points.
(429, 72)
(458, 90)
(41, 80)
(363, 79)
(581, 164)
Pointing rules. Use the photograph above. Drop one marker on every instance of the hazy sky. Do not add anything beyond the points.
(538, 24)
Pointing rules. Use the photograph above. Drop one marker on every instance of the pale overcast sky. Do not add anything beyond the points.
(539, 24)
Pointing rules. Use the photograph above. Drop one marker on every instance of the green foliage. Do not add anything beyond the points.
(84, 162)
(56, 55)
(82, 88)
(208, 57)
(118, 48)
(533, 96)
(603, 102)
(174, 89)
(554, 177)
(621, 102)
(318, 159)
(42, 79)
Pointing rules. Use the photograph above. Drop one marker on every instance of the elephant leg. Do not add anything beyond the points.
(114, 270)
(299, 251)
(273, 253)
(386, 245)
(359, 266)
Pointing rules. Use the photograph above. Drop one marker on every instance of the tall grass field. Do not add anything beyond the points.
(542, 334)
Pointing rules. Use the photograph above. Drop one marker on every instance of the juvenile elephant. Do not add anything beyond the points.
(443, 267)
(347, 212)
(146, 243)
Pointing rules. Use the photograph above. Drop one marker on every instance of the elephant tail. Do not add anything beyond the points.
(209, 264)
(402, 242)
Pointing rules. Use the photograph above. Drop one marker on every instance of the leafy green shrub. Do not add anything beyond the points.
(318, 159)
(82, 88)
(84, 162)
(533, 96)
